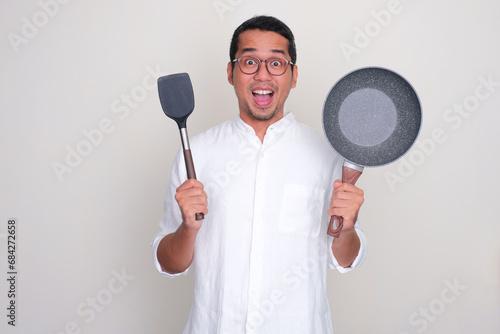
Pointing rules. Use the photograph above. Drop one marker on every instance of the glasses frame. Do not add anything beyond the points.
(288, 62)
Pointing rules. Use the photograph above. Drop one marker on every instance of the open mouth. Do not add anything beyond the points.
(263, 97)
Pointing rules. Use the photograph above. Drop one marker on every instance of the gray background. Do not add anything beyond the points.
(70, 67)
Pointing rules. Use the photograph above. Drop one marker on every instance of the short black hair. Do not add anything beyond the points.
(265, 23)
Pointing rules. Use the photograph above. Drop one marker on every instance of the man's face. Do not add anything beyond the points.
(261, 96)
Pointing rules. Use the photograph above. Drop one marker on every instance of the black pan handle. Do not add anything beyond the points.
(350, 174)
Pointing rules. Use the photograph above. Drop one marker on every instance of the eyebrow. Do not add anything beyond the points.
(254, 50)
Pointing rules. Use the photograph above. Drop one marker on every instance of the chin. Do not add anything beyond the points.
(263, 116)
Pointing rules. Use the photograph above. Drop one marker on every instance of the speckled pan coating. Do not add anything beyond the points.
(405, 132)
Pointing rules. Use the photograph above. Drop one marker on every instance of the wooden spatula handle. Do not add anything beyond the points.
(188, 159)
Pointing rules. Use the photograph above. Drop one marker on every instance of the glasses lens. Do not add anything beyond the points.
(249, 64)
(276, 66)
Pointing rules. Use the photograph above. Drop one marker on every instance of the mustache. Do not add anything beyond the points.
(273, 87)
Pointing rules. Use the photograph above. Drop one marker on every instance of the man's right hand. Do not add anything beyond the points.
(176, 250)
(192, 199)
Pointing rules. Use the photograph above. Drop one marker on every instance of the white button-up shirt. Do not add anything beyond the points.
(262, 253)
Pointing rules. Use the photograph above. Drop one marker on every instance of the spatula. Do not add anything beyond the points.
(177, 102)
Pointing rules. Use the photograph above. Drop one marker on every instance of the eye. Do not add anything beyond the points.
(276, 62)
(250, 62)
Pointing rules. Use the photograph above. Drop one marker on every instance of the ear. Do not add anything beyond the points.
(295, 75)
(230, 72)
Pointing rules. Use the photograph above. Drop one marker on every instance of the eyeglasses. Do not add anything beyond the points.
(251, 64)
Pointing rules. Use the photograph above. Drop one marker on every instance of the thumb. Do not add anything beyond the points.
(337, 184)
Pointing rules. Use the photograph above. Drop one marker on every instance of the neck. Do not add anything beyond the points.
(260, 126)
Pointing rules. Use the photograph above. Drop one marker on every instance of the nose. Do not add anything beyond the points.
(263, 74)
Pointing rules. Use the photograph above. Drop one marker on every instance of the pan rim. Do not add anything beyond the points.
(407, 148)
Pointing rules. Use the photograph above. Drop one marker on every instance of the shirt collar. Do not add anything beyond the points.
(278, 126)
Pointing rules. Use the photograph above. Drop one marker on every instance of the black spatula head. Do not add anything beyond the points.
(176, 97)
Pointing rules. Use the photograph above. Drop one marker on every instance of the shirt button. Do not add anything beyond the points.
(262, 154)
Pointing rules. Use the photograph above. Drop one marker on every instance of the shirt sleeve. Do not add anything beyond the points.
(333, 263)
(172, 217)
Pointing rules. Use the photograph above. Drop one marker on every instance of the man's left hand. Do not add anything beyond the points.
(346, 202)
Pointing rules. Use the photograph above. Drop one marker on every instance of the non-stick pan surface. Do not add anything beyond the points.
(372, 116)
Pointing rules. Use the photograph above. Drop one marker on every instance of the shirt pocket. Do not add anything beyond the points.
(301, 209)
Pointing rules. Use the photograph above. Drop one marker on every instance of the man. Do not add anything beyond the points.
(265, 186)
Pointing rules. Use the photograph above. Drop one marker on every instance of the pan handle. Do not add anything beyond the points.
(350, 174)
(188, 159)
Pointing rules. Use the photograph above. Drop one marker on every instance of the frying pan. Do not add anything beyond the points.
(371, 117)
(177, 101)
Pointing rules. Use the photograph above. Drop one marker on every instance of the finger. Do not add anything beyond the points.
(349, 215)
(190, 192)
(190, 188)
(342, 199)
(346, 201)
(346, 191)
(191, 205)
(343, 211)
(190, 183)
(337, 183)
(191, 196)
(191, 211)
(346, 187)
